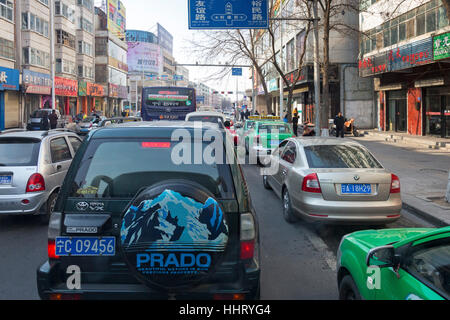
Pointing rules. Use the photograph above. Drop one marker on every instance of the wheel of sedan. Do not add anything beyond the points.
(348, 289)
(287, 208)
(266, 183)
(49, 207)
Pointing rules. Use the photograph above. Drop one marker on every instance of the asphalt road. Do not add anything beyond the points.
(298, 261)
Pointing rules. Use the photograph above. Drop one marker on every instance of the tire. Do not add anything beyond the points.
(287, 208)
(348, 289)
(49, 207)
(266, 183)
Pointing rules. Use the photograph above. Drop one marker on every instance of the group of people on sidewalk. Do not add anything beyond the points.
(49, 121)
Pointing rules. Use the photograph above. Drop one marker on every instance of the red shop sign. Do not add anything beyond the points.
(66, 87)
(95, 90)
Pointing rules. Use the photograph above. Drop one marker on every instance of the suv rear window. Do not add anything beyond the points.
(119, 168)
(340, 156)
(19, 152)
(39, 113)
(210, 119)
(282, 128)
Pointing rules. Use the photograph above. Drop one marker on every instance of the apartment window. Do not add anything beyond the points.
(65, 66)
(6, 9)
(85, 72)
(84, 48)
(88, 4)
(44, 2)
(34, 23)
(36, 57)
(85, 25)
(61, 9)
(65, 38)
(6, 49)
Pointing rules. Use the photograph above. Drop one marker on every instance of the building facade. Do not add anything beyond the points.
(348, 93)
(408, 57)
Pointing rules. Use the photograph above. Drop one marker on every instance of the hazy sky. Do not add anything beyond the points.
(173, 16)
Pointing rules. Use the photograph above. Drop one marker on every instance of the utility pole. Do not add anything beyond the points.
(282, 70)
(52, 50)
(316, 70)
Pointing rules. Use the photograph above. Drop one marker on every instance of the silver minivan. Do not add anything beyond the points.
(33, 166)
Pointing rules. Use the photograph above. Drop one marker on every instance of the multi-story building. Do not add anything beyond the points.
(407, 54)
(348, 93)
(111, 68)
(9, 76)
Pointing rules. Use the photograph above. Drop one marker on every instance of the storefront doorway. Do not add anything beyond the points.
(396, 111)
(437, 115)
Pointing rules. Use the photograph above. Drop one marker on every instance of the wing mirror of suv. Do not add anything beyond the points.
(383, 257)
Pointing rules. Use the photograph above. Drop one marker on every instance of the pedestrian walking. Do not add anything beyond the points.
(295, 123)
(247, 114)
(53, 118)
(339, 122)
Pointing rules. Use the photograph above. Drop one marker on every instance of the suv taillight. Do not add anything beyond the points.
(248, 236)
(311, 184)
(395, 184)
(258, 139)
(54, 230)
(36, 183)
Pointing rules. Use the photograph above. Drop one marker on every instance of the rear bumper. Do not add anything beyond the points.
(48, 284)
(12, 204)
(315, 208)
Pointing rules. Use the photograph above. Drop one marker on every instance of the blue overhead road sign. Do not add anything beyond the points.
(228, 14)
(236, 71)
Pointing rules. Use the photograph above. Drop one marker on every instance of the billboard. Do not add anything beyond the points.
(165, 39)
(116, 18)
(144, 57)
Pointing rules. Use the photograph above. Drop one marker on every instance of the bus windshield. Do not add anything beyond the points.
(167, 103)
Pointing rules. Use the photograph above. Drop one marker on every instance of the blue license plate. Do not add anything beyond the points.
(356, 189)
(85, 246)
(5, 179)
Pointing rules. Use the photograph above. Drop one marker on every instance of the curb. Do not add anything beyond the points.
(424, 215)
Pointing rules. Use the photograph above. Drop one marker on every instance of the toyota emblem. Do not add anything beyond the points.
(356, 178)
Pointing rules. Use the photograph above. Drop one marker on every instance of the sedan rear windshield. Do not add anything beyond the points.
(17, 152)
(340, 156)
(120, 168)
(272, 127)
(39, 113)
(209, 119)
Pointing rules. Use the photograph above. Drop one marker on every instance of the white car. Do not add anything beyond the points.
(206, 116)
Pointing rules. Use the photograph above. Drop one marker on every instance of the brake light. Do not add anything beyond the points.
(36, 183)
(248, 236)
(156, 145)
(395, 184)
(311, 184)
(51, 249)
(229, 296)
(235, 141)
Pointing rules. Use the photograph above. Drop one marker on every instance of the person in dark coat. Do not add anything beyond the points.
(53, 118)
(339, 122)
(295, 123)
(247, 114)
(44, 122)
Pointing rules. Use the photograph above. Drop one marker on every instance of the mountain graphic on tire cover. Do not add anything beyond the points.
(171, 220)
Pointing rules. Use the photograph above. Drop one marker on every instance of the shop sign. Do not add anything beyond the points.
(292, 76)
(113, 90)
(36, 83)
(66, 87)
(9, 79)
(95, 90)
(272, 85)
(118, 64)
(82, 88)
(441, 46)
(373, 65)
(411, 55)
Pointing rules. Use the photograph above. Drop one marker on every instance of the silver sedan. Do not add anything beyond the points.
(331, 180)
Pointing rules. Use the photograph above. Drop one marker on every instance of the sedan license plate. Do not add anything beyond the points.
(356, 189)
(85, 246)
(5, 180)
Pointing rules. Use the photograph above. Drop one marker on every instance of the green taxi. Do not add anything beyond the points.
(266, 136)
(395, 264)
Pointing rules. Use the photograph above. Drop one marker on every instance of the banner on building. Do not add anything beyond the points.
(144, 57)
(165, 38)
(9, 79)
(116, 18)
(36, 83)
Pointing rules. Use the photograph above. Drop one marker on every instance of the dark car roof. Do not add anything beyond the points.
(155, 129)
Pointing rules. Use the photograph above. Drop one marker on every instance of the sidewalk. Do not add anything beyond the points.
(423, 166)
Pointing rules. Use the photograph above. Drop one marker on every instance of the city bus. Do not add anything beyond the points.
(167, 103)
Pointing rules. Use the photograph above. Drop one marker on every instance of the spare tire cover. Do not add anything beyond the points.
(173, 235)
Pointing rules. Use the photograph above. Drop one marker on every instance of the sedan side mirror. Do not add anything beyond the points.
(382, 257)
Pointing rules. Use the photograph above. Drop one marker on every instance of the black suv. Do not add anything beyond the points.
(140, 216)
